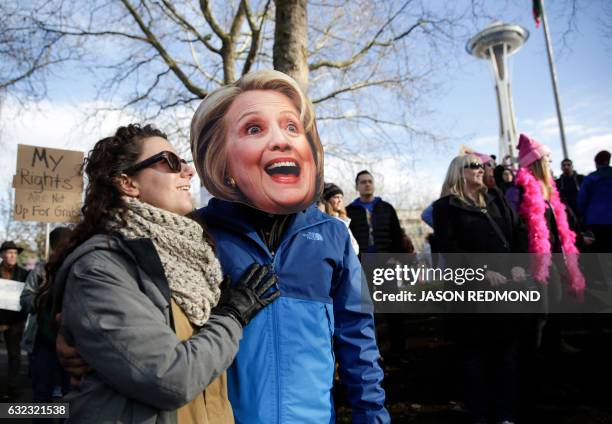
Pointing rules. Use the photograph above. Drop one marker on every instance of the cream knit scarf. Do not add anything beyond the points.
(190, 265)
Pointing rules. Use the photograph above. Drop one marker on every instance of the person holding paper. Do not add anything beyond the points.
(12, 322)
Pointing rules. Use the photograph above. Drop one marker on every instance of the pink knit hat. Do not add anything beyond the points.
(530, 151)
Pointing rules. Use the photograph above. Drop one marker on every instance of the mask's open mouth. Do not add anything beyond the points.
(283, 168)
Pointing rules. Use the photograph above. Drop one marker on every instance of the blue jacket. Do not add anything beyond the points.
(595, 197)
(284, 369)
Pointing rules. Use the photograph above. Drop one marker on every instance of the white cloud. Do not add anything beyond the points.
(397, 181)
(586, 134)
(484, 142)
(585, 150)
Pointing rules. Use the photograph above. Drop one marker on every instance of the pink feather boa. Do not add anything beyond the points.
(532, 211)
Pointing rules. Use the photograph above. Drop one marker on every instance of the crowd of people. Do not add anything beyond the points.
(245, 310)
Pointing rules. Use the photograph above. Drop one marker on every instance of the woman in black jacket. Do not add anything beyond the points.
(469, 219)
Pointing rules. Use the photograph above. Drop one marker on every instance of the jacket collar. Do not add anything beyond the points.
(358, 202)
(230, 216)
(141, 251)
(454, 201)
(603, 171)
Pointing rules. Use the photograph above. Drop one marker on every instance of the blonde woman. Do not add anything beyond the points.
(469, 219)
(544, 215)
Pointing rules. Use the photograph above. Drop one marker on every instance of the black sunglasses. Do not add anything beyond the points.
(174, 162)
(474, 165)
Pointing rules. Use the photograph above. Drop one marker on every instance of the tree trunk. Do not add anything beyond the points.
(291, 40)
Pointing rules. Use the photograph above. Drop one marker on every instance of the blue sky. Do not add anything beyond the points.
(585, 82)
(463, 108)
(584, 64)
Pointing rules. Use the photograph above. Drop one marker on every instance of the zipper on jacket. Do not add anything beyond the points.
(273, 255)
(277, 367)
(275, 317)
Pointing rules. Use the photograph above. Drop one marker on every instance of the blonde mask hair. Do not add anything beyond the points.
(209, 133)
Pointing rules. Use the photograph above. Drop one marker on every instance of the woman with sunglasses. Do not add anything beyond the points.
(468, 218)
(139, 290)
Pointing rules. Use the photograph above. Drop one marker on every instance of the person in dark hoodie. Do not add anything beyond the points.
(374, 222)
(568, 185)
(503, 178)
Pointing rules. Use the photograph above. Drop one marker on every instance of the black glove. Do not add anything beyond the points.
(255, 290)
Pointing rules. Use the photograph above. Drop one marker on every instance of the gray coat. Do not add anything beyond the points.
(116, 309)
(28, 296)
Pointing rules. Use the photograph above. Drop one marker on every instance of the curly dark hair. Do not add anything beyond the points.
(103, 199)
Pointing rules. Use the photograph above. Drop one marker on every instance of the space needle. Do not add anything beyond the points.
(496, 43)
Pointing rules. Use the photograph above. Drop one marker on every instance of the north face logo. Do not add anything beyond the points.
(313, 236)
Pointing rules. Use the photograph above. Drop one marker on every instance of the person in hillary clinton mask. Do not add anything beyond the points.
(257, 150)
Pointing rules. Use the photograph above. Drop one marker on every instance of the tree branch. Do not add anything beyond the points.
(373, 42)
(354, 87)
(37, 64)
(205, 8)
(418, 23)
(366, 118)
(255, 35)
(153, 41)
(181, 20)
(81, 33)
(237, 21)
(148, 91)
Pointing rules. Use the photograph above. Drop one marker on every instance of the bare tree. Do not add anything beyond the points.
(27, 54)
(291, 39)
(367, 61)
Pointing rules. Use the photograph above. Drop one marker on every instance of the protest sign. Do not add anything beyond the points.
(48, 184)
(46, 206)
(43, 169)
(10, 292)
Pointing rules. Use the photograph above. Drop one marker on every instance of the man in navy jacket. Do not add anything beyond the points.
(595, 202)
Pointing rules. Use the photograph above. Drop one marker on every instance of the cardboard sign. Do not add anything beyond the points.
(49, 206)
(48, 184)
(10, 292)
(44, 169)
